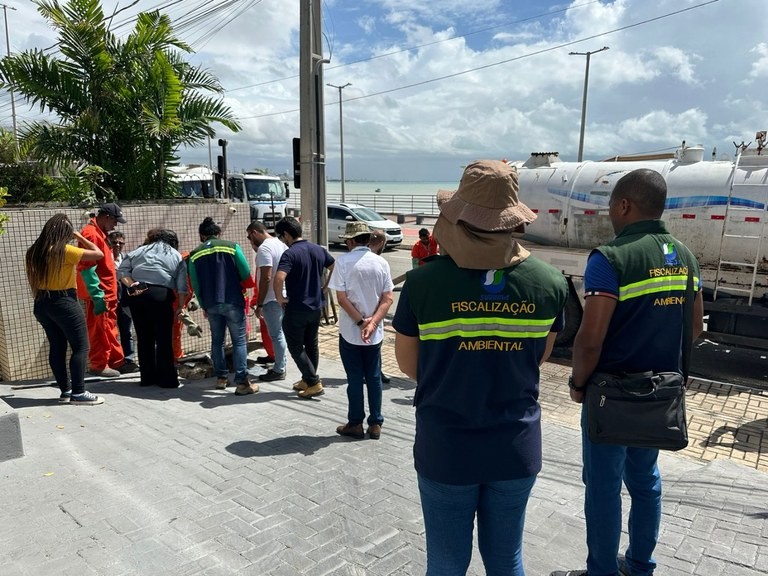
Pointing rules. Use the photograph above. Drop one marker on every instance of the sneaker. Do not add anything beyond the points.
(105, 372)
(128, 368)
(300, 386)
(569, 573)
(374, 431)
(351, 430)
(272, 376)
(86, 399)
(384, 378)
(65, 397)
(221, 383)
(265, 360)
(246, 388)
(312, 391)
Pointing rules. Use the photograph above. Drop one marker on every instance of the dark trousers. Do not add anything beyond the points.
(62, 318)
(300, 329)
(152, 313)
(124, 324)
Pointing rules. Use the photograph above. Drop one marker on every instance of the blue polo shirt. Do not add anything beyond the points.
(303, 264)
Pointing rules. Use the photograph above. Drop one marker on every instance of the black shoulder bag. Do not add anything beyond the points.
(645, 410)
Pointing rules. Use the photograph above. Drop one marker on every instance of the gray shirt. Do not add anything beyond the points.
(156, 263)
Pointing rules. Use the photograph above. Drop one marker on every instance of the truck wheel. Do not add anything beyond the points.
(573, 315)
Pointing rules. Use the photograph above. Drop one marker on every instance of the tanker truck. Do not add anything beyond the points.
(716, 207)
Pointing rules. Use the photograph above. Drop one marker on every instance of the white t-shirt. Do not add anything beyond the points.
(269, 254)
(364, 277)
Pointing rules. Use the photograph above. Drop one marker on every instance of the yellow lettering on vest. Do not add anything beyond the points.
(669, 301)
(494, 345)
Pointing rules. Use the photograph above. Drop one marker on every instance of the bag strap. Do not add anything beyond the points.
(688, 323)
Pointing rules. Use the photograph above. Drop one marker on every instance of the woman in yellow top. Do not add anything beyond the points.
(51, 262)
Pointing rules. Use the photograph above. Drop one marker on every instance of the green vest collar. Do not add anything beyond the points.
(644, 227)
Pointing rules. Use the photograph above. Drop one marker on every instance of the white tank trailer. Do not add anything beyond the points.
(716, 207)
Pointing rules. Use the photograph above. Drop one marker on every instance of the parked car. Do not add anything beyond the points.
(340, 214)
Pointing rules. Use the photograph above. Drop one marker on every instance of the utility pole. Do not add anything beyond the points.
(584, 98)
(10, 89)
(341, 134)
(314, 216)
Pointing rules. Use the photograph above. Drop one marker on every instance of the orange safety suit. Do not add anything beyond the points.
(105, 349)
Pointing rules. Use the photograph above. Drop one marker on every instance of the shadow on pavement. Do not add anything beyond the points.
(17, 402)
(306, 445)
(745, 437)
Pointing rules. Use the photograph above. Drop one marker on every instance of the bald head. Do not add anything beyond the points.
(645, 189)
(378, 241)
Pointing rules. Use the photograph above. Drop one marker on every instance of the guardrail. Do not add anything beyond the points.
(415, 205)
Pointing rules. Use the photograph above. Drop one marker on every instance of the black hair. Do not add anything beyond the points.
(115, 234)
(645, 188)
(209, 228)
(288, 225)
(169, 237)
(256, 225)
(423, 232)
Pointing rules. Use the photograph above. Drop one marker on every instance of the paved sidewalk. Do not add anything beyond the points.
(198, 481)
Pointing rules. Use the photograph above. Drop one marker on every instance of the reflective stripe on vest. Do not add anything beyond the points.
(212, 250)
(475, 327)
(655, 285)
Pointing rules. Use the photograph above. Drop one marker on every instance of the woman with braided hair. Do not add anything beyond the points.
(50, 264)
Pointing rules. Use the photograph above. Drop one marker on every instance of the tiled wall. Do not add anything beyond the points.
(23, 346)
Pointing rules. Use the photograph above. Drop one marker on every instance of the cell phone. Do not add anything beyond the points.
(137, 289)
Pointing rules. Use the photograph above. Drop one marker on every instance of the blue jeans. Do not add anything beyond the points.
(62, 318)
(605, 466)
(449, 516)
(222, 317)
(362, 363)
(273, 316)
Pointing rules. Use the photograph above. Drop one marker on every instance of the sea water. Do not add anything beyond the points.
(387, 197)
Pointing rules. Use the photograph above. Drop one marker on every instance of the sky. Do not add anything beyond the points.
(436, 85)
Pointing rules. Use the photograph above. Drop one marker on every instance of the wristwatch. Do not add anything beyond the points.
(576, 388)
(360, 322)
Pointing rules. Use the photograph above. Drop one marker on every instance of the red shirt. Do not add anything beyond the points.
(105, 268)
(421, 251)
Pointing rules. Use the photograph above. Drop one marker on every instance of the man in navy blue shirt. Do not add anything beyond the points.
(301, 273)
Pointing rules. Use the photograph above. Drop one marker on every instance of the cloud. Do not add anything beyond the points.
(759, 66)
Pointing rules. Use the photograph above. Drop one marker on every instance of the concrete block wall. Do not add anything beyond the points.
(23, 345)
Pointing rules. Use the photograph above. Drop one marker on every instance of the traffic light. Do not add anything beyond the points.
(297, 163)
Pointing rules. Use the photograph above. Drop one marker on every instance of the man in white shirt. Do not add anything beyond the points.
(363, 285)
(268, 252)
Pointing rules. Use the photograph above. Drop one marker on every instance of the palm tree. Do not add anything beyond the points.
(125, 105)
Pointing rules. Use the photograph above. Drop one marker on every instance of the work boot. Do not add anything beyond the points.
(374, 431)
(106, 372)
(351, 430)
(221, 382)
(312, 391)
(246, 388)
(300, 385)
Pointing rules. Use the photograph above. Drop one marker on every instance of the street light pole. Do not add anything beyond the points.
(341, 134)
(10, 89)
(584, 98)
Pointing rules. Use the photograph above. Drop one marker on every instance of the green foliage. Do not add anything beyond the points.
(3, 217)
(125, 105)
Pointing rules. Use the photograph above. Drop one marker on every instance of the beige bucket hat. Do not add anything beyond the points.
(355, 229)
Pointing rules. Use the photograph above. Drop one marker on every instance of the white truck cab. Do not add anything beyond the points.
(267, 195)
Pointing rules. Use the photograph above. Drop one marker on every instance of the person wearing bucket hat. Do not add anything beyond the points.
(472, 328)
(97, 286)
(363, 284)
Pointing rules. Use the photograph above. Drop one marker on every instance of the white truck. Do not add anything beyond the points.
(194, 181)
(716, 207)
(267, 195)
